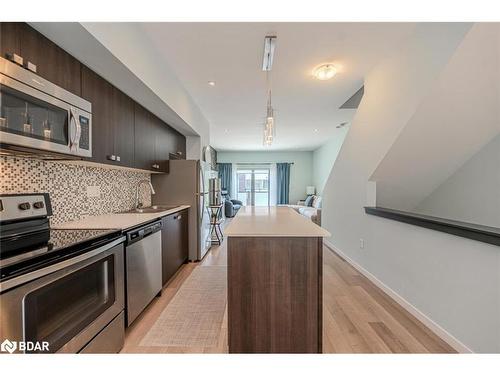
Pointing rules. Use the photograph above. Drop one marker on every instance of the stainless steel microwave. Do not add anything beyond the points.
(38, 115)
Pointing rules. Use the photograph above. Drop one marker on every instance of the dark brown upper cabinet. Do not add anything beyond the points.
(10, 38)
(53, 63)
(169, 144)
(123, 128)
(180, 145)
(112, 120)
(144, 139)
(163, 144)
(123, 132)
(100, 93)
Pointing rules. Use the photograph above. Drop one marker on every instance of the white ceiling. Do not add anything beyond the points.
(231, 55)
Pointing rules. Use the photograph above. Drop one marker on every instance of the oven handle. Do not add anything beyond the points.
(9, 284)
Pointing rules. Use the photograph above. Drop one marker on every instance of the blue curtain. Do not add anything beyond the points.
(283, 183)
(225, 175)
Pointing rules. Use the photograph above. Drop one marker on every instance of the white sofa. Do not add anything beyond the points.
(312, 212)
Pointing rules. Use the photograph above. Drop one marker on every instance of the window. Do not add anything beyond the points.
(252, 186)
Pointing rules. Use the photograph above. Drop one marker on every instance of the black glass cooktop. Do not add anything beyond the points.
(48, 247)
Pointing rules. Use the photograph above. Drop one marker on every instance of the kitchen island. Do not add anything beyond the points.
(274, 282)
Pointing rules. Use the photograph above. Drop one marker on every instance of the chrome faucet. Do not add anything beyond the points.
(148, 182)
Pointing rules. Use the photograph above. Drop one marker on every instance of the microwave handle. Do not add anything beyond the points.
(78, 129)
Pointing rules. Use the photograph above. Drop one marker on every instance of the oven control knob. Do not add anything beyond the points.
(24, 206)
(38, 205)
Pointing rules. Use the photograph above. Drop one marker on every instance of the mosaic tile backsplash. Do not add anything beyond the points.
(75, 190)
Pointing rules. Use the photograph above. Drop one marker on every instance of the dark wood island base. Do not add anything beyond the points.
(275, 294)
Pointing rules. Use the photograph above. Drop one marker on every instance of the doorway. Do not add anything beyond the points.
(252, 186)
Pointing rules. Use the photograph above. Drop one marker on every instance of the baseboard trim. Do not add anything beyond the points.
(424, 319)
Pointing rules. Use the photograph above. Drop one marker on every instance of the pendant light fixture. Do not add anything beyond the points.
(267, 64)
(269, 129)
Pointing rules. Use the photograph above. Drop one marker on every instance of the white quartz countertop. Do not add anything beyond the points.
(272, 222)
(116, 221)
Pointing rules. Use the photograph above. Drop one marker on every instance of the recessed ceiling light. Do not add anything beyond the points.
(211, 83)
(316, 130)
(324, 72)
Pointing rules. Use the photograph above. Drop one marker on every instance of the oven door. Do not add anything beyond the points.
(31, 118)
(69, 307)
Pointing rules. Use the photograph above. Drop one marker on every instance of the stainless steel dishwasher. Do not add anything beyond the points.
(143, 265)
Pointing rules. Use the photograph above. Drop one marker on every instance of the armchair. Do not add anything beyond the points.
(231, 206)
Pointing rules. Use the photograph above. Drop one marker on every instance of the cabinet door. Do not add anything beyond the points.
(144, 145)
(180, 145)
(100, 93)
(168, 143)
(123, 128)
(184, 250)
(163, 144)
(10, 38)
(174, 244)
(174, 143)
(53, 63)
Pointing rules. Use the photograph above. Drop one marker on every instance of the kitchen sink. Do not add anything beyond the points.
(148, 210)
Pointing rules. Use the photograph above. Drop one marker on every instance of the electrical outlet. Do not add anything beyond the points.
(361, 243)
(93, 192)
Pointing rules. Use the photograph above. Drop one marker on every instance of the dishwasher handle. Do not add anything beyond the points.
(140, 233)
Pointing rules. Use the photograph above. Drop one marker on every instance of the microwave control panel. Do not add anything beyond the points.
(85, 134)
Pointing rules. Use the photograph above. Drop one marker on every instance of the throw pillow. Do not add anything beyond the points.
(317, 202)
(309, 201)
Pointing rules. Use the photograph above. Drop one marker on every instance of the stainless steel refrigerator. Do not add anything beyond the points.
(187, 183)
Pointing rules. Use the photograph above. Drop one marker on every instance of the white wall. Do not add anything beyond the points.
(454, 281)
(324, 157)
(452, 121)
(300, 172)
(472, 193)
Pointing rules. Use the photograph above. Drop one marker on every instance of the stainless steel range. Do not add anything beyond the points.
(60, 290)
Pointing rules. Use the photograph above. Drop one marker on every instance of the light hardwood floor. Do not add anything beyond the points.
(358, 317)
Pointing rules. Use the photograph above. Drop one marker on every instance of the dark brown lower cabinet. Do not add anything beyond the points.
(174, 243)
(275, 294)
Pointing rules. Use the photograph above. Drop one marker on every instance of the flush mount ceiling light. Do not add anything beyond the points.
(325, 72)
(211, 83)
(267, 64)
